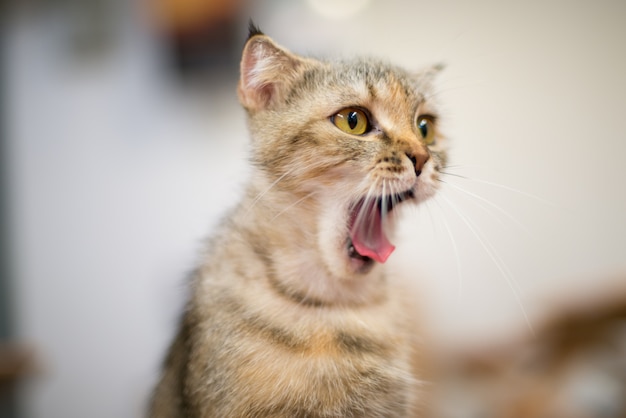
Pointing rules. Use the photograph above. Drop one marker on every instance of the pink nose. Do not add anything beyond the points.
(418, 160)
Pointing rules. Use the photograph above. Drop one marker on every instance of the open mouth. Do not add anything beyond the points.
(367, 240)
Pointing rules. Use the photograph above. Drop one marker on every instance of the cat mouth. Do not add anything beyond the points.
(367, 240)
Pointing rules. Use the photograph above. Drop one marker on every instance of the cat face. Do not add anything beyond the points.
(356, 139)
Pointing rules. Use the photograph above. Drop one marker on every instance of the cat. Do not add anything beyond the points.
(291, 314)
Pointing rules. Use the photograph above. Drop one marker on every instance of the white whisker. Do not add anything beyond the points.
(372, 208)
(494, 215)
(426, 205)
(461, 166)
(502, 186)
(383, 203)
(455, 175)
(263, 193)
(495, 258)
(493, 205)
(493, 251)
(456, 252)
(293, 205)
(367, 208)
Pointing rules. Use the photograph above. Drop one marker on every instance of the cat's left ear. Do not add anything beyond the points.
(429, 74)
(266, 72)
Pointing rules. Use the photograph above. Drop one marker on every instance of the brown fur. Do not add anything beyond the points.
(282, 321)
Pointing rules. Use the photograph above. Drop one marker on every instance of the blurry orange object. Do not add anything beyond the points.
(183, 16)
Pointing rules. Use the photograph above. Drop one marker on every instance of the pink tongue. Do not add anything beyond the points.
(367, 233)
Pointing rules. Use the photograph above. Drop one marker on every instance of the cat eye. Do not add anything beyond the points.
(426, 128)
(352, 121)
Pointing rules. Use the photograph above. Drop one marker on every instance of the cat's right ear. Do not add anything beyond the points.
(266, 72)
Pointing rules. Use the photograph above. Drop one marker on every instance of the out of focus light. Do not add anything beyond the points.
(338, 9)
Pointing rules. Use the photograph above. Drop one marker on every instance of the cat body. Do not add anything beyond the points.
(291, 313)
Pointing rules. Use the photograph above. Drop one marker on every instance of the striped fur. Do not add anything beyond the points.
(283, 321)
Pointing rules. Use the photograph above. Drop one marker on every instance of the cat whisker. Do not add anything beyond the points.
(501, 186)
(383, 203)
(455, 175)
(461, 166)
(455, 249)
(263, 193)
(493, 205)
(367, 207)
(294, 204)
(492, 253)
(372, 208)
(389, 198)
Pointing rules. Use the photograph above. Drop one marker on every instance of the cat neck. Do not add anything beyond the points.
(296, 237)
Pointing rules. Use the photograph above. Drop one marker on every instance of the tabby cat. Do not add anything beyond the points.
(291, 313)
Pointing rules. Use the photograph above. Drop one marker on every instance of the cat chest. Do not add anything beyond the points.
(332, 374)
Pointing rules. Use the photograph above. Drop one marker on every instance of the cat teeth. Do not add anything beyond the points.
(361, 263)
(353, 253)
(391, 201)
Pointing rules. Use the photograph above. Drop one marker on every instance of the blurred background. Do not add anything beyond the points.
(122, 144)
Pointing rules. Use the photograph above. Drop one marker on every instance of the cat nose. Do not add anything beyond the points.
(419, 160)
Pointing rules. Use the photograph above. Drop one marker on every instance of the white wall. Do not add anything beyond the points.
(117, 175)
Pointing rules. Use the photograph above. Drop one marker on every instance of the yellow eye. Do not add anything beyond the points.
(352, 121)
(426, 128)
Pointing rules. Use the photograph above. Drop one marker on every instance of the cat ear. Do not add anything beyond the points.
(429, 74)
(266, 71)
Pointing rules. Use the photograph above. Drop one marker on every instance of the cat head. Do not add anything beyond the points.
(357, 138)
